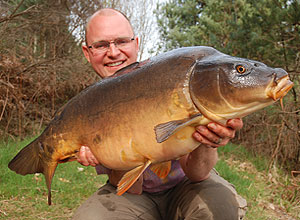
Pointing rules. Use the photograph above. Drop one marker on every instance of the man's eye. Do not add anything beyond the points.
(100, 45)
(121, 41)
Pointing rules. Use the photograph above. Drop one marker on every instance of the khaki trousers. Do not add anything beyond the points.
(211, 199)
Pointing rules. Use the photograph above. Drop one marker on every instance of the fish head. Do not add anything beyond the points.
(226, 87)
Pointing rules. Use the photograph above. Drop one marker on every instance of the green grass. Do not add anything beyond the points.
(270, 193)
(25, 197)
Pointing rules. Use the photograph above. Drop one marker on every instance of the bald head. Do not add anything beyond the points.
(106, 12)
(109, 12)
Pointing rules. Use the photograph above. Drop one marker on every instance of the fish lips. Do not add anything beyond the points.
(278, 88)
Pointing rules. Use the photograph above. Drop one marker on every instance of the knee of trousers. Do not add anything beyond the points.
(206, 201)
(196, 210)
(214, 200)
(222, 203)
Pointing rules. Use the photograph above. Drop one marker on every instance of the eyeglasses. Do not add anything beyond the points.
(102, 46)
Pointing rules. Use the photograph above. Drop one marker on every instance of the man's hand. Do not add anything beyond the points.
(197, 164)
(216, 135)
(86, 157)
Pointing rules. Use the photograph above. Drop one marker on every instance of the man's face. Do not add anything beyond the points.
(109, 28)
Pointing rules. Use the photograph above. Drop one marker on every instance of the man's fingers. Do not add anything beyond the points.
(91, 158)
(82, 156)
(86, 157)
(213, 140)
(208, 136)
(221, 131)
(235, 123)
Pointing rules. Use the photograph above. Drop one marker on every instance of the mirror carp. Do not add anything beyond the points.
(145, 114)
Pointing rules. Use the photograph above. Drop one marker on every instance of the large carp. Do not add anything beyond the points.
(146, 113)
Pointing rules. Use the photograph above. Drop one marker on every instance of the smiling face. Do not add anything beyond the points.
(109, 25)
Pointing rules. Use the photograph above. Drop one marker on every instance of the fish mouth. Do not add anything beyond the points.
(280, 87)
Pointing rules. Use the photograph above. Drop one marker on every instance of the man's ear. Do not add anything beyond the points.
(86, 53)
(137, 43)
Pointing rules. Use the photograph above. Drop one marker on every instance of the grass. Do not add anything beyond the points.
(270, 195)
(25, 197)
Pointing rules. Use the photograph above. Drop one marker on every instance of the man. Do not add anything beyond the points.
(192, 190)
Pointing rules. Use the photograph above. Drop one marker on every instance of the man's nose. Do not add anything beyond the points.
(113, 51)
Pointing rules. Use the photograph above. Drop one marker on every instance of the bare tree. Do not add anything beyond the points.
(41, 62)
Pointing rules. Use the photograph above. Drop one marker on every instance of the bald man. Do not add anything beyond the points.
(193, 189)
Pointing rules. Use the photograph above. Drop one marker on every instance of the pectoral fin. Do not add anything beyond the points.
(165, 130)
(161, 169)
(131, 177)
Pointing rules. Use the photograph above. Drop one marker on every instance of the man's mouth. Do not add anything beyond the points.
(114, 64)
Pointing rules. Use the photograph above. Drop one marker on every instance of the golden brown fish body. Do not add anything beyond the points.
(146, 113)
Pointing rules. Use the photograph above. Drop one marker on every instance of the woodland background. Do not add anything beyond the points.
(42, 65)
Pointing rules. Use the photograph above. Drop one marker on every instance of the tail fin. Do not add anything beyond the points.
(31, 159)
(27, 161)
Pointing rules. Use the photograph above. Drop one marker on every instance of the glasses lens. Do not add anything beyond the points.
(100, 45)
(122, 42)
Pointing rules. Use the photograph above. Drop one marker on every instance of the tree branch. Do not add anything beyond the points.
(13, 15)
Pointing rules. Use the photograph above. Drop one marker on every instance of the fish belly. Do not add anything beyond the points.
(131, 141)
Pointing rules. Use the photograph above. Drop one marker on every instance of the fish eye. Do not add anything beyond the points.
(240, 69)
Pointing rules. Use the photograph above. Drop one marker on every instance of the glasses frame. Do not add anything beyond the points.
(109, 43)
